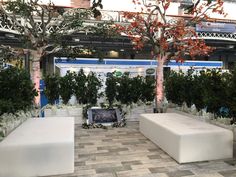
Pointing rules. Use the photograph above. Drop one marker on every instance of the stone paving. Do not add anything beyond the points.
(125, 152)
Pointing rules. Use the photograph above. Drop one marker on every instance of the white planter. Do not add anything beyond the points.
(77, 113)
(49, 113)
(70, 111)
(63, 112)
(134, 113)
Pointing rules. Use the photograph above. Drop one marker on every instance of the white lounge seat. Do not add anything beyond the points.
(186, 139)
(38, 147)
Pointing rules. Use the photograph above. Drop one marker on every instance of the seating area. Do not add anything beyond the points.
(45, 147)
(125, 152)
(186, 139)
(39, 147)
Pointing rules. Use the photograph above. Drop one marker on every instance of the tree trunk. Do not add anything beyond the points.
(35, 74)
(159, 83)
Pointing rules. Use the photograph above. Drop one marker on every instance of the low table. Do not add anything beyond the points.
(38, 147)
(186, 139)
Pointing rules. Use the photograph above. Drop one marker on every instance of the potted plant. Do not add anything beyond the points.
(79, 87)
(52, 93)
(111, 89)
(93, 86)
(66, 87)
(51, 88)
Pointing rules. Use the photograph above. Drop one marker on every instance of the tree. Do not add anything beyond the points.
(80, 86)
(66, 87)
(111, 89)
(43, 24)
(168, 39)
(52, 88)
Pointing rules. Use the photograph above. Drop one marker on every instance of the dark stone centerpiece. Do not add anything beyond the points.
(103, 116)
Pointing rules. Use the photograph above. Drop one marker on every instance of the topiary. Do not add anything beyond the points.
(52, 88)
(66, 87)
(79, 87)
(111, 89)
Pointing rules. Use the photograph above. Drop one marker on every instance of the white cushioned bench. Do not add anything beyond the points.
(186, 139)
(38, 147)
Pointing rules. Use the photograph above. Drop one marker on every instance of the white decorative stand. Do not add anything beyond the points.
(39, 147)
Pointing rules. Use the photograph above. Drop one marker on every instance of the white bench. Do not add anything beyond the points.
(38, 147)
(186, 139)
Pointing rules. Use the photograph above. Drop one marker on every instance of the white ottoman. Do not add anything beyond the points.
(186, 139)
(39, 147)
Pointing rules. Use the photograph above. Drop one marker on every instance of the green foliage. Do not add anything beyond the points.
(79, 88)
(20, 7)
(136, 88)
(174, 87)
(129, 90)
(215, 91)
(52, 88)
(206, 89)
(148, 89)
(46, 23)
(198, 91)
(124, 89)
(231, 95)
(66, 87)
(188, 88)
(110, 90)
(16, 91)
(93, 86)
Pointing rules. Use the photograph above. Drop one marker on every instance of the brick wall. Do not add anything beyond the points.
(80, 3)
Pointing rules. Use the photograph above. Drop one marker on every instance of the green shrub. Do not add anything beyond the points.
(231, 95)
(93, 86)
(124, 89)
(52, 88)
(136, 88)
(188, 87)
(148, 89)
(79, 87)
(16, 90)
(174, 87)
(199, 91)
(66, 87)
(111, 89)
(215, 91)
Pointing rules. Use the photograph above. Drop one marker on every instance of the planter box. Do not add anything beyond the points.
(75, 112)
(134, 113)
(49, 112)
(63, 112)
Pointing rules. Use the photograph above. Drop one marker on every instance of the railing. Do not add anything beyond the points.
(6, 25)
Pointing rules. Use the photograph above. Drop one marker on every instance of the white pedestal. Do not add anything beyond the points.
(39, 147)
(186, 139)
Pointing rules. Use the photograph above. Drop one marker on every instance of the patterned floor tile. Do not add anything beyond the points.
(125, 152)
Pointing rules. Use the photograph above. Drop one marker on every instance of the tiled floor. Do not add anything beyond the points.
(125, 152)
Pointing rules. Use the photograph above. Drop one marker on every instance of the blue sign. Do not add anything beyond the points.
(216, 27)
